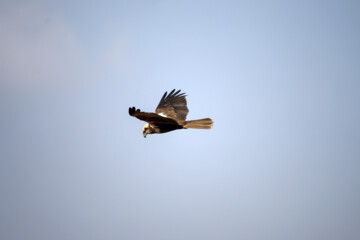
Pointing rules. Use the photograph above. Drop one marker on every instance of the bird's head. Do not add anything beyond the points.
(146, 130)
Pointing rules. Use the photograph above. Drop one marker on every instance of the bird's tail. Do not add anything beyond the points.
(205, 123)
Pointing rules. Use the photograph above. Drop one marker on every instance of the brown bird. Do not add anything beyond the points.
(169, 115)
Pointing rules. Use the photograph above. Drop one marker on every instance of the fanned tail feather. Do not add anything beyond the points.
(205, 123)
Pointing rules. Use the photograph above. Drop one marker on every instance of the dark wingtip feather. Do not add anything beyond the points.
(164, 96)
(131, 111)
(171, 93)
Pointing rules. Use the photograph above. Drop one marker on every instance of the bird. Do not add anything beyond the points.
(170, 115)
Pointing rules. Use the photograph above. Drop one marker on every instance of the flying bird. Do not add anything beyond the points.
(169, 115)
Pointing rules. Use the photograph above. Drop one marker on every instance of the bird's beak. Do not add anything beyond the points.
(144, 134)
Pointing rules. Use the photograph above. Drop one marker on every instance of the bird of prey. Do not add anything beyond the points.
(169, 115)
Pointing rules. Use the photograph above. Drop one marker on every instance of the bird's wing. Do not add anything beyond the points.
(173, 105)
(152, 118)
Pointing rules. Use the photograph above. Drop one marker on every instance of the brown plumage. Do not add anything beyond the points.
(169, 115)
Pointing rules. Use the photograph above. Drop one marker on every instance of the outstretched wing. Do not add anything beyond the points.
(173, 106)
(152, 118)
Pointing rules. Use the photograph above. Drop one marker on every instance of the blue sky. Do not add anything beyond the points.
(280, 79)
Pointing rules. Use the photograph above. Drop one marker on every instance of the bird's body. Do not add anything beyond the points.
(169, 115)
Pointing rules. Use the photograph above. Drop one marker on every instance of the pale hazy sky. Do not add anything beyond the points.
(281, 80)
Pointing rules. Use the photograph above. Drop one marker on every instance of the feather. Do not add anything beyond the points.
(173, 105)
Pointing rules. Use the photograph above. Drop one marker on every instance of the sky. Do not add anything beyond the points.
(280, 79)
